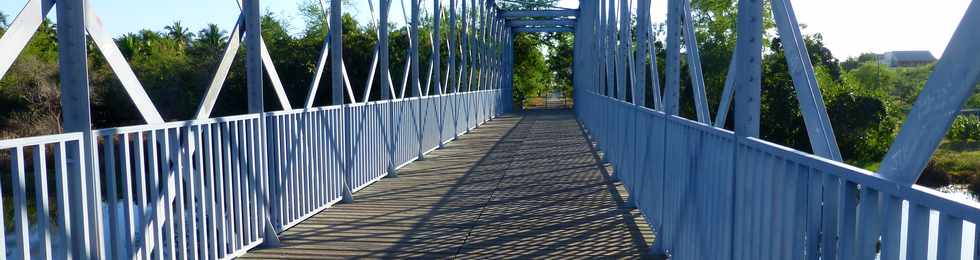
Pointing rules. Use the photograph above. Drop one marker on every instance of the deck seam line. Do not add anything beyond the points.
(496, 187)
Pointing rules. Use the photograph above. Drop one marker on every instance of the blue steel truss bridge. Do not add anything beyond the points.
(444, 166)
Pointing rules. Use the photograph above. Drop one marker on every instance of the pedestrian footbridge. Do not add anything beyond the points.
(454, 170)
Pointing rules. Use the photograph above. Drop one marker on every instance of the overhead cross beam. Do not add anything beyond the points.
(521, 14)
(535, 23)
(543, 29)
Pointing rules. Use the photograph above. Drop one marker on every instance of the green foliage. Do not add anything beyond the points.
(525, 4)
(531, 73)
(560, 61)
(973, 102)
(29, 92)
(910, 83)
(179, 33)
(861, 112)
(853, 62)
(965, 129)
(873, 76)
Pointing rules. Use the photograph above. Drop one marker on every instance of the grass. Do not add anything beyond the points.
(960, 159)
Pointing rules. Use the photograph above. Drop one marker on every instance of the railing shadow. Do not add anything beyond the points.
(538, 191)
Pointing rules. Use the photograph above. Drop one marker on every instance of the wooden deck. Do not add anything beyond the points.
(520, 186)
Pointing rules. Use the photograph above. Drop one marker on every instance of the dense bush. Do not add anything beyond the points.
(965, 129)
(934, 176)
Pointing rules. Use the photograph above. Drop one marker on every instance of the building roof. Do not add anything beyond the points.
(910, 56)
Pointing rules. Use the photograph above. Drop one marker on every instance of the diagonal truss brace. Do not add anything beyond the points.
(654, 71)
(694, 64)
(726, 94)
(21, 29)
(119, 65)
(812, 107)
(211, 96)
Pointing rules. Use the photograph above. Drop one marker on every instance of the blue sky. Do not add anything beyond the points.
(849, 27)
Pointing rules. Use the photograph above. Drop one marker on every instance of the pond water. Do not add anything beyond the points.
(959, 191)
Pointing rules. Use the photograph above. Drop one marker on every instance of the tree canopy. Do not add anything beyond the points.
(525, 4)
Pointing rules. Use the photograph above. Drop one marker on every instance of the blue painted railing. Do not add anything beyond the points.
(204, 189)
(710, 195)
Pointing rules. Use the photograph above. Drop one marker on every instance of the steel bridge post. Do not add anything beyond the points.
(464, 47)
(622, 64)
(609, 59)
(451, 52)
(580, 62)
(595, 31)
(747, 88)
(671, 99)
(253, 56)
(748, 68)
(416, 88)
(256, 104)
(452, 82)
(643, 27)
(481, 48)
(86, 225)
(508, 88)
(436, 46)
(436, 63)
(337, 90)
(386, 88)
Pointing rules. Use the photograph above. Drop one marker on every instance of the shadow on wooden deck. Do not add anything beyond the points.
(520, 186)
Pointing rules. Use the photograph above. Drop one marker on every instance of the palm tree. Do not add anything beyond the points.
(149, 36)
(179, 33)
(212, 37)
(3, 21)
(129, 44)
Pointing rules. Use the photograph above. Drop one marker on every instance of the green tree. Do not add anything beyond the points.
(209, 42)
(530, 69)
(853, 62)
(873, 76)
(910, 83)
(560, 61)
(29, 92)
(130, 44)
(179, 33)
(859, 114)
